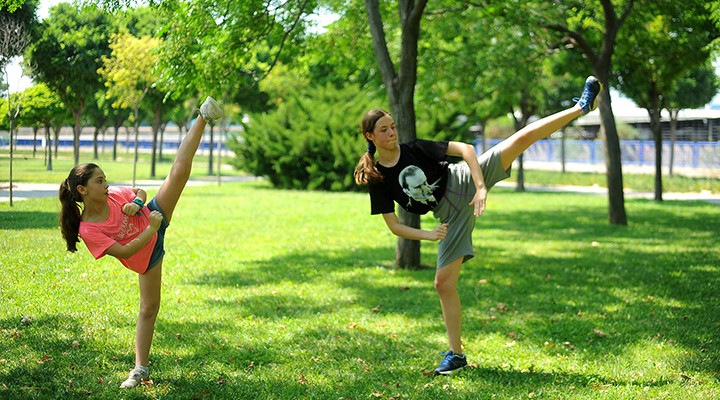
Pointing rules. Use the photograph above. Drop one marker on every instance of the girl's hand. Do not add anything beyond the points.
(438, 233)
(131, 209)
(156, 218)
(478, 201)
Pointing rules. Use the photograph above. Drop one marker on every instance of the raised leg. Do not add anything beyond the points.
(512, 147)
(171, 189)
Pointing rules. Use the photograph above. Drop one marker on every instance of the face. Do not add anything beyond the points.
(384, 135)
(96, 188)
(417, 185)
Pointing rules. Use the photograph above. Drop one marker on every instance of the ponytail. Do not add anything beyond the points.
(70, 210)
(366, 171)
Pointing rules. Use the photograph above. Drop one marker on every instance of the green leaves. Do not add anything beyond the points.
(307, 143)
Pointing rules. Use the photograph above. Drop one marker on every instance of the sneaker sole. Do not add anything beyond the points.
(445, 373)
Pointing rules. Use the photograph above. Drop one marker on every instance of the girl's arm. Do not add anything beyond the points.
(407, 232)
(467, 152)
(133, 208)
(128, 250)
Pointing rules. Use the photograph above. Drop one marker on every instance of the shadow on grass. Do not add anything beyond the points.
(585, 287)
(17, 220)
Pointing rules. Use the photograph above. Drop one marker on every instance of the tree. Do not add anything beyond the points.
(694, 89)
(67, 56)
(591, 28)
(15, 25)
(43, 107)
(129, 75)
(400, 86)
(661, 42)
(306, 142)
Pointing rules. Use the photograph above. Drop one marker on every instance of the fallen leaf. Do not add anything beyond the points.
(376, 309)
(75, 344)
(302, 380)
(599, 333)
(45, 358)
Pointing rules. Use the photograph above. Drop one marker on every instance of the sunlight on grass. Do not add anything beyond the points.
(285, 294)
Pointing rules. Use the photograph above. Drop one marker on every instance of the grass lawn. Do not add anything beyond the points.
(272, 294)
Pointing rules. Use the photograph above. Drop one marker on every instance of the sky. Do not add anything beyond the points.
(19, 82)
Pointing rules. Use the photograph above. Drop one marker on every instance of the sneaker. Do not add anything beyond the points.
(137, 376)
(451, 363)
(588, 101)
(210, 110)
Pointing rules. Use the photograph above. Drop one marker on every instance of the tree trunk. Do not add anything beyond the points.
(210, 148)
(673, 138)
(155, 130)
(400, 87)
(657, 136)
(137, 139)
(563, 142)
(116, 132)
(35, 131)
(613, 161)
(48, 148)
(76, 136)
(96, 134)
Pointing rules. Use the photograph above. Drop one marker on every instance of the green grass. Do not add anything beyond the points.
(32, 170)
(275, 294)
(636, 182)
(27, 169)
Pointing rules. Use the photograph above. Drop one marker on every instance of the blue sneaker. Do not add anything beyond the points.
(588, 101)
(451, 363)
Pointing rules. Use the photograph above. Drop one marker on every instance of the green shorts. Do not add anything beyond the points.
(454, 208)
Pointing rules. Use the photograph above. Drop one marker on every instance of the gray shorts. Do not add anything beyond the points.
(454, 208)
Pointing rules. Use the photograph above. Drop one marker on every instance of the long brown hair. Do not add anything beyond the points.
(365, 171)
(69, 199)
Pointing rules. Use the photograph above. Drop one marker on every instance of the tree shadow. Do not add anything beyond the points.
(18, 220)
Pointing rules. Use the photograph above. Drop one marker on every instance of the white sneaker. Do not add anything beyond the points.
(137, 375)
(210, 110)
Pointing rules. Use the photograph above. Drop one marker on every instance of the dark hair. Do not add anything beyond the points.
(69, 198)
(365, 170)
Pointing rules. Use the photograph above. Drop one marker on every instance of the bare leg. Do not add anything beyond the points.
(150, 284)
(169, 193)
(446, 279)
(512, 147)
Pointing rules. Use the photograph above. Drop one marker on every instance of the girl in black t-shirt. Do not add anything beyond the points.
(417, 176)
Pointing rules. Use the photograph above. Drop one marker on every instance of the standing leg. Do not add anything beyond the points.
(446, 279)
(150, 288)
(150, 284)
(171, 189)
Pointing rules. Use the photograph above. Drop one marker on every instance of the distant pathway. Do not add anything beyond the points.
(22, 191)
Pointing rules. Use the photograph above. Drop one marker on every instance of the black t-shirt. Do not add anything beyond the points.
(416, 182)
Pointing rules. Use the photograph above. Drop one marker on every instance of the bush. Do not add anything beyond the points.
(312, 141)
